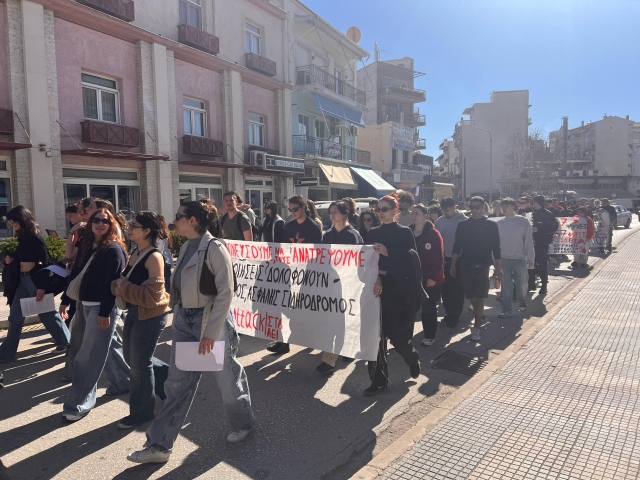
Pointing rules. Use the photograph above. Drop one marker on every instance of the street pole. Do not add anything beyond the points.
(490, 164)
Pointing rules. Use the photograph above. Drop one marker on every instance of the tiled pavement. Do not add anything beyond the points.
(566, 406)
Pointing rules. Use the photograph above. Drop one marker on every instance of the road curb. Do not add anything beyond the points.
(376, 467)
(4, 324)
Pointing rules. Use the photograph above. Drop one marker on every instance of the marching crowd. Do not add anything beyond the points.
(124, 272)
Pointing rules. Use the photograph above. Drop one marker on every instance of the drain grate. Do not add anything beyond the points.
(459, 362)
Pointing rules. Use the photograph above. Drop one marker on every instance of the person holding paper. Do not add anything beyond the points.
(31, 251)
(106, 262)
(141, 286)
(203, 318)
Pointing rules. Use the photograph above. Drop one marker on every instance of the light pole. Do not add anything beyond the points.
(490, 164)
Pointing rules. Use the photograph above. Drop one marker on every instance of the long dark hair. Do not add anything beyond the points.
(269, 218)
(204, 213)
(112, 235)
(23, 217)
(312, 211)
(361, 227)
(301, 202)
(155, 223)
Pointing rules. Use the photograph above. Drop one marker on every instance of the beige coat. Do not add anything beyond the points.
(216, 308)
(150, 296)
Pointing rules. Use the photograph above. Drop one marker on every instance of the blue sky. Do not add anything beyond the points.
(577, 58)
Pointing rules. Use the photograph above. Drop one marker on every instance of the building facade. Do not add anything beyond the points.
(393, 120)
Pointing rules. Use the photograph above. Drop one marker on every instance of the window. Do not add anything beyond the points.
(339, 84)
(194, 117)
(256, 130)
(394, 158)
(126, 199)
(303, 125)
(191, 13)
(252, 38)
(320, 131)
(391, 110)
(100, 98)
(405, 156)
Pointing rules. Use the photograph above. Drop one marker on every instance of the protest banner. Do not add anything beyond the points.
(317, 296)
(570, 238)
(602, 231)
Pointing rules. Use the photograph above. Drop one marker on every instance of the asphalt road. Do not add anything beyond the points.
(308, 426)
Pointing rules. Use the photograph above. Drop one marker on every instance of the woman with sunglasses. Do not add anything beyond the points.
(341, 233)
(31, 251)
(104, 249)
(302, 229)
(396, 287)
(273, 224)
(431, 251)
(368, 220)
(142, 287)
(202, 319)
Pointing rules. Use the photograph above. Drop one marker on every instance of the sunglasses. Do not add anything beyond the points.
(367, 219)
(475, 207)
(181, 215)
(104, 221)
(134, 225)
(294, 210)
(382, 209)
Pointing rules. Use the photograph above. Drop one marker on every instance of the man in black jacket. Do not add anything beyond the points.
(545, 226)
(613, 222)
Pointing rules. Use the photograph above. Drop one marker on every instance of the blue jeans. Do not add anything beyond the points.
(51, 320)
(180, 386)
(91, 359)
(515, 273)
(148, 374)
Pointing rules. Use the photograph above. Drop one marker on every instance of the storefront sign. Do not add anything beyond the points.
(283, 164)
(404, 144)
(402, 131)
(306, 182)
(316, 296)
(411, 176)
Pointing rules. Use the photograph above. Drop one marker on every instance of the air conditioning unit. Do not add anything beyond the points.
(353, 131)
(257, 158)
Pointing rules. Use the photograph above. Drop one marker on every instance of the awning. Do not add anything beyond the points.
(440, 184)
(14, 146)
(96, 152)
(335, 110)
(372, 178)
(338, 177)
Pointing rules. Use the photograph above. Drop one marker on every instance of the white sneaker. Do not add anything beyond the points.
(237, 436)
(504, 314)
(427, 342)
(475, 334)
(149, 455)
(74, 417)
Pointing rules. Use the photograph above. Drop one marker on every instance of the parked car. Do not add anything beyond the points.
(624, 216)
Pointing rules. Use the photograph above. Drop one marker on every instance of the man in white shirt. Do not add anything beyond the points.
(516, 246)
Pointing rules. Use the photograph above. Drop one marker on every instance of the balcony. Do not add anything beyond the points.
(196, 38)
(310, 74)
(415, 119)
(318, 147)
(109, 134)
(421, 143)
(401, 93)
(6, 122)
(201, 146)
(411, 167)
(122, 9)
(260, 64)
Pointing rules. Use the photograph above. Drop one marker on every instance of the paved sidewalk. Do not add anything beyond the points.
(564, 407)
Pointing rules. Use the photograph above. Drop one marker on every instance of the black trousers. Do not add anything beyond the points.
(430, 312)
(452, 292)
(397, 326)
(542, 257)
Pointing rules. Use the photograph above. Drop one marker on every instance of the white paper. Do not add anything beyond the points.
(30, 307)
(189, 360)
(62, 272)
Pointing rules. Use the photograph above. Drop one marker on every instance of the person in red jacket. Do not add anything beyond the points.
(431, 252)
(579, 259)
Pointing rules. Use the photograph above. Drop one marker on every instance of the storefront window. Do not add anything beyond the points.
(129, 201)
(5, 205)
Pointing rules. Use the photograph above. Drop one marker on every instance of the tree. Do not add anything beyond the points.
(529, 164)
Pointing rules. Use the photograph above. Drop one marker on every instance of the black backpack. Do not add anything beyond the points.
(255, 231)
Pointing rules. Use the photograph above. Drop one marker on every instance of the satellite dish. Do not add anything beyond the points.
(354, 34)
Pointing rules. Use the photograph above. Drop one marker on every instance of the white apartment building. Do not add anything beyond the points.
(483, 135)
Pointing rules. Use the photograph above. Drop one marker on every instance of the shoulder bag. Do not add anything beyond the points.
(207, 284)
(73, 289)
(120, 302)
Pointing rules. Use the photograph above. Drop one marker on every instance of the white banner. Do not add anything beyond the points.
(571, 237)
(317, 296)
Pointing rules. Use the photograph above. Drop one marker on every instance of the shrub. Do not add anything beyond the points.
(55, 245)
(7, 247)
(176, 241)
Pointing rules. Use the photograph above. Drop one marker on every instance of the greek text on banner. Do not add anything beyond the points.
(317, 296)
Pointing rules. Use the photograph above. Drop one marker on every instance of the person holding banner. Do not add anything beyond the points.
(203, 318)
(303, 229)
(399, 286)
(582, 259)
(341, 233)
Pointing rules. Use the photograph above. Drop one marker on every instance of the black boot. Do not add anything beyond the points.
(278, 347)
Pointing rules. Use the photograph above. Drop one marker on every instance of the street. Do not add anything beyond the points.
(308, 426)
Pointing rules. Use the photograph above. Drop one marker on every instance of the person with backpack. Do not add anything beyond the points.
(202, 287)
(544, 227)
(31, 251)
(234, 225)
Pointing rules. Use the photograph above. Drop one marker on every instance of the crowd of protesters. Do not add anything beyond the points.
(123, 272)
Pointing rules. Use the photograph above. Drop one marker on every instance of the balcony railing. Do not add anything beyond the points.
(201, 146)
(310, 74)
(398, 90)
(255, 62)
(410, 166)
(318, 147)
(122, 9)
(109, 134)
(421, 143)
(199, 39)
(6, 121)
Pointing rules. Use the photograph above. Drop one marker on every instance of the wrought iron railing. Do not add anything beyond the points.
(319, 147)
(311, 74)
